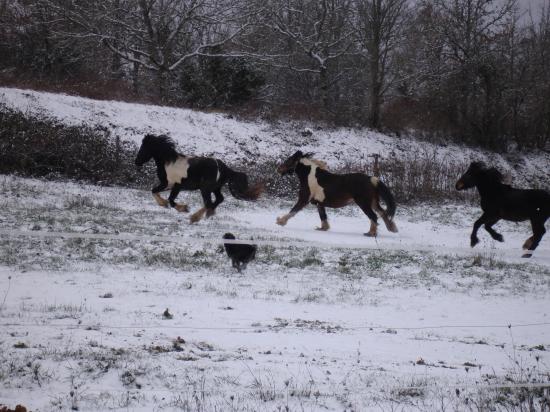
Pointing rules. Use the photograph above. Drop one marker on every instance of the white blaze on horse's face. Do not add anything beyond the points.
(315, 190)
(177, 170)
(374, 181)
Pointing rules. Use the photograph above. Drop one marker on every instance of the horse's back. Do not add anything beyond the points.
(340, 189)
(522, 204)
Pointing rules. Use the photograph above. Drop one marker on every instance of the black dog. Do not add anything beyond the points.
(240, 254)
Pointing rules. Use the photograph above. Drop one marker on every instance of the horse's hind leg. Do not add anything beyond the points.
(218, 199)
(365, 207)
(489, 228)
(324, 219)
(538, 233)
(390, 224)
(528, 243)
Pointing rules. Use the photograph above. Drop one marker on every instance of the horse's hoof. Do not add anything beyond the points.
(393, 228)
(474, 241)
(182, 208)
(527, 243)
(324, 226)
(499, 238)
(526, 255)
(369, 234)
(210, 212)
(281, 221)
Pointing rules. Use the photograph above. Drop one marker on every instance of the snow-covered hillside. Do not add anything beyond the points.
(244, 141)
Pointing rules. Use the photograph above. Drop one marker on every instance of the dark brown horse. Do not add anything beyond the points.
(501, 201)
(325, 189)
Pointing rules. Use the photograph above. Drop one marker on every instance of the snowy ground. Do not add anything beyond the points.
(237, 141)
(304, 328)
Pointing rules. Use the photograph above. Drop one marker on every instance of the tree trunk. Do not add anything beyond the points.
(375, 91)
(162, 84)
(323, 80)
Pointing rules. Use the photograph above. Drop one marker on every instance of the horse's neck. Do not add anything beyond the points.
(489, 188)
(161, 161)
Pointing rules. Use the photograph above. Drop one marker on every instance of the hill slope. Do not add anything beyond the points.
(214, 134)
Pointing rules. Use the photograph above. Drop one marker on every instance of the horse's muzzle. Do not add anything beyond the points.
(459, 185)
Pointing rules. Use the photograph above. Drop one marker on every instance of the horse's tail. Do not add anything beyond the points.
(387, 197)
(239, 188)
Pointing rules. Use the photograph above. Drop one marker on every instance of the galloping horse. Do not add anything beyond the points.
(501, 201)
(326, 189)
(178, 172)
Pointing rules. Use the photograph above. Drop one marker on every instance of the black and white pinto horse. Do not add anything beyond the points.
(325, 189)
(501, 201)
(178, 172)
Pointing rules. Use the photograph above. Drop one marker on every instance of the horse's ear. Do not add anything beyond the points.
(495, 174)
(298, 154)
(478, 165)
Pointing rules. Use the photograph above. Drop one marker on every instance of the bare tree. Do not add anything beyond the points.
(159, 35)
(379, 27)
(314, 34)
(469, 30)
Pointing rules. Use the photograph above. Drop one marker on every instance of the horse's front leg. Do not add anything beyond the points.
(180, 207)
(207, 199)
(489, 228)
(477, 224)
(156, 194)
(303, 200)
(324, 219)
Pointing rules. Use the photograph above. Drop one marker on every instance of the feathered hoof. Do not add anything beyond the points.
(370, 234)
(210, 212)
(324, 226)
(182, 208)
(160, 200)
(281, 221)
(528, 243)
(197, 216)
(392, 227)
(526, 255)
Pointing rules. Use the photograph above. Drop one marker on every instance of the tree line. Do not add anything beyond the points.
(475, 71)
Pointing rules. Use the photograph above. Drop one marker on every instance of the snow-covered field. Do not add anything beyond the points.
(387, 327)
(237, 141)
(413, 320)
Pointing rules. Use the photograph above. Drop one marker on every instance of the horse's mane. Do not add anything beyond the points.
(320, 164)
(491, 174)
(163, 145)
(162, 141)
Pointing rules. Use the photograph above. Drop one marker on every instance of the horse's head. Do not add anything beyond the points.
(289, 165)
(146, 150)
(471, 177)
(155, 146)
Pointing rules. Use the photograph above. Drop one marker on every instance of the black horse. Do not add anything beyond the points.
(326, 189)
(178, 172)
(501, 201)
